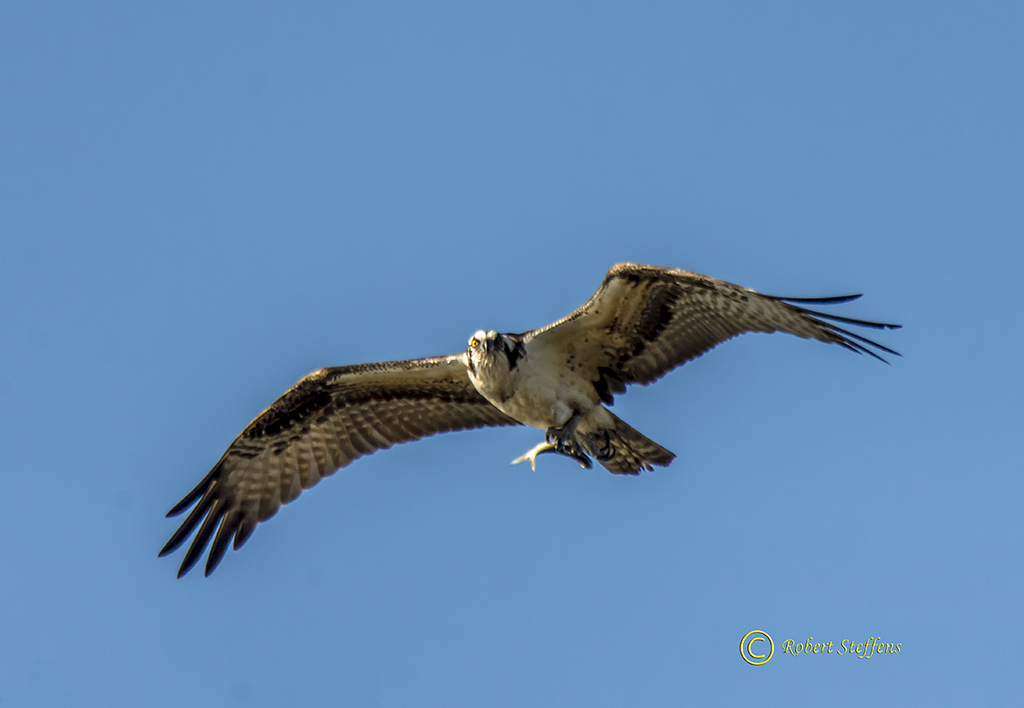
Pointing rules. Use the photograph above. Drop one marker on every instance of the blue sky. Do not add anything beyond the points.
(199, 205)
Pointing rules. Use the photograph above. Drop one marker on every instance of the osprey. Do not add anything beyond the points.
(642, 322)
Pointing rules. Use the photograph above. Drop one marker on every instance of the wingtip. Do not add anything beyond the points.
(183, 505)
(191, 558)
(166, 550)
(831, 300)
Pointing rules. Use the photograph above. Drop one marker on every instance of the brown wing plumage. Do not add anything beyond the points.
(645, 320)
(323, 423)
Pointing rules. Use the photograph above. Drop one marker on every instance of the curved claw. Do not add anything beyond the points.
(580, 457)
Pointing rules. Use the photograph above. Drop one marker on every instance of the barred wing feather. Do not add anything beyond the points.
(646, 320)
(323, 423)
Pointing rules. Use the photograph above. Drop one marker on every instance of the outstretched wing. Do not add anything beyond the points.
(323, 423)
(644, 321)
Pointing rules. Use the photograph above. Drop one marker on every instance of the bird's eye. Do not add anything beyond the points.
(474, 343)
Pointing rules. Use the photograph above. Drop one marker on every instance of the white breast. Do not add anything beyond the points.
(545, 391)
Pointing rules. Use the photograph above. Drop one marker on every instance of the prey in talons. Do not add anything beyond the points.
(531, 455)
(559, 440)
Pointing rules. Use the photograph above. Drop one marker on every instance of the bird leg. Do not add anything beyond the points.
(560, 440)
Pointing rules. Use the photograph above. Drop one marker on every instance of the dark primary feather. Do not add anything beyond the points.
(321, 424)
(645, 320)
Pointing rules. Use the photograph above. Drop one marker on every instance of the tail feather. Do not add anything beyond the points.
(622, 450)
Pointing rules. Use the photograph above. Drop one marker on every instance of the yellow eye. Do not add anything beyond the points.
(474, 343)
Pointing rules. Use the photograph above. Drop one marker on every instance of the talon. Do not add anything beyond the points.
(584, 461)
(531, 454)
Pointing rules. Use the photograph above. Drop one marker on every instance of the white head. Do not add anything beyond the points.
(482, 347)
(488, 348)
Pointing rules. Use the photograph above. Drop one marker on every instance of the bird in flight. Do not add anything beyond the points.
(641, 323)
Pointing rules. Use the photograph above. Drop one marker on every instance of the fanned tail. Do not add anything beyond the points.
(622, 450)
